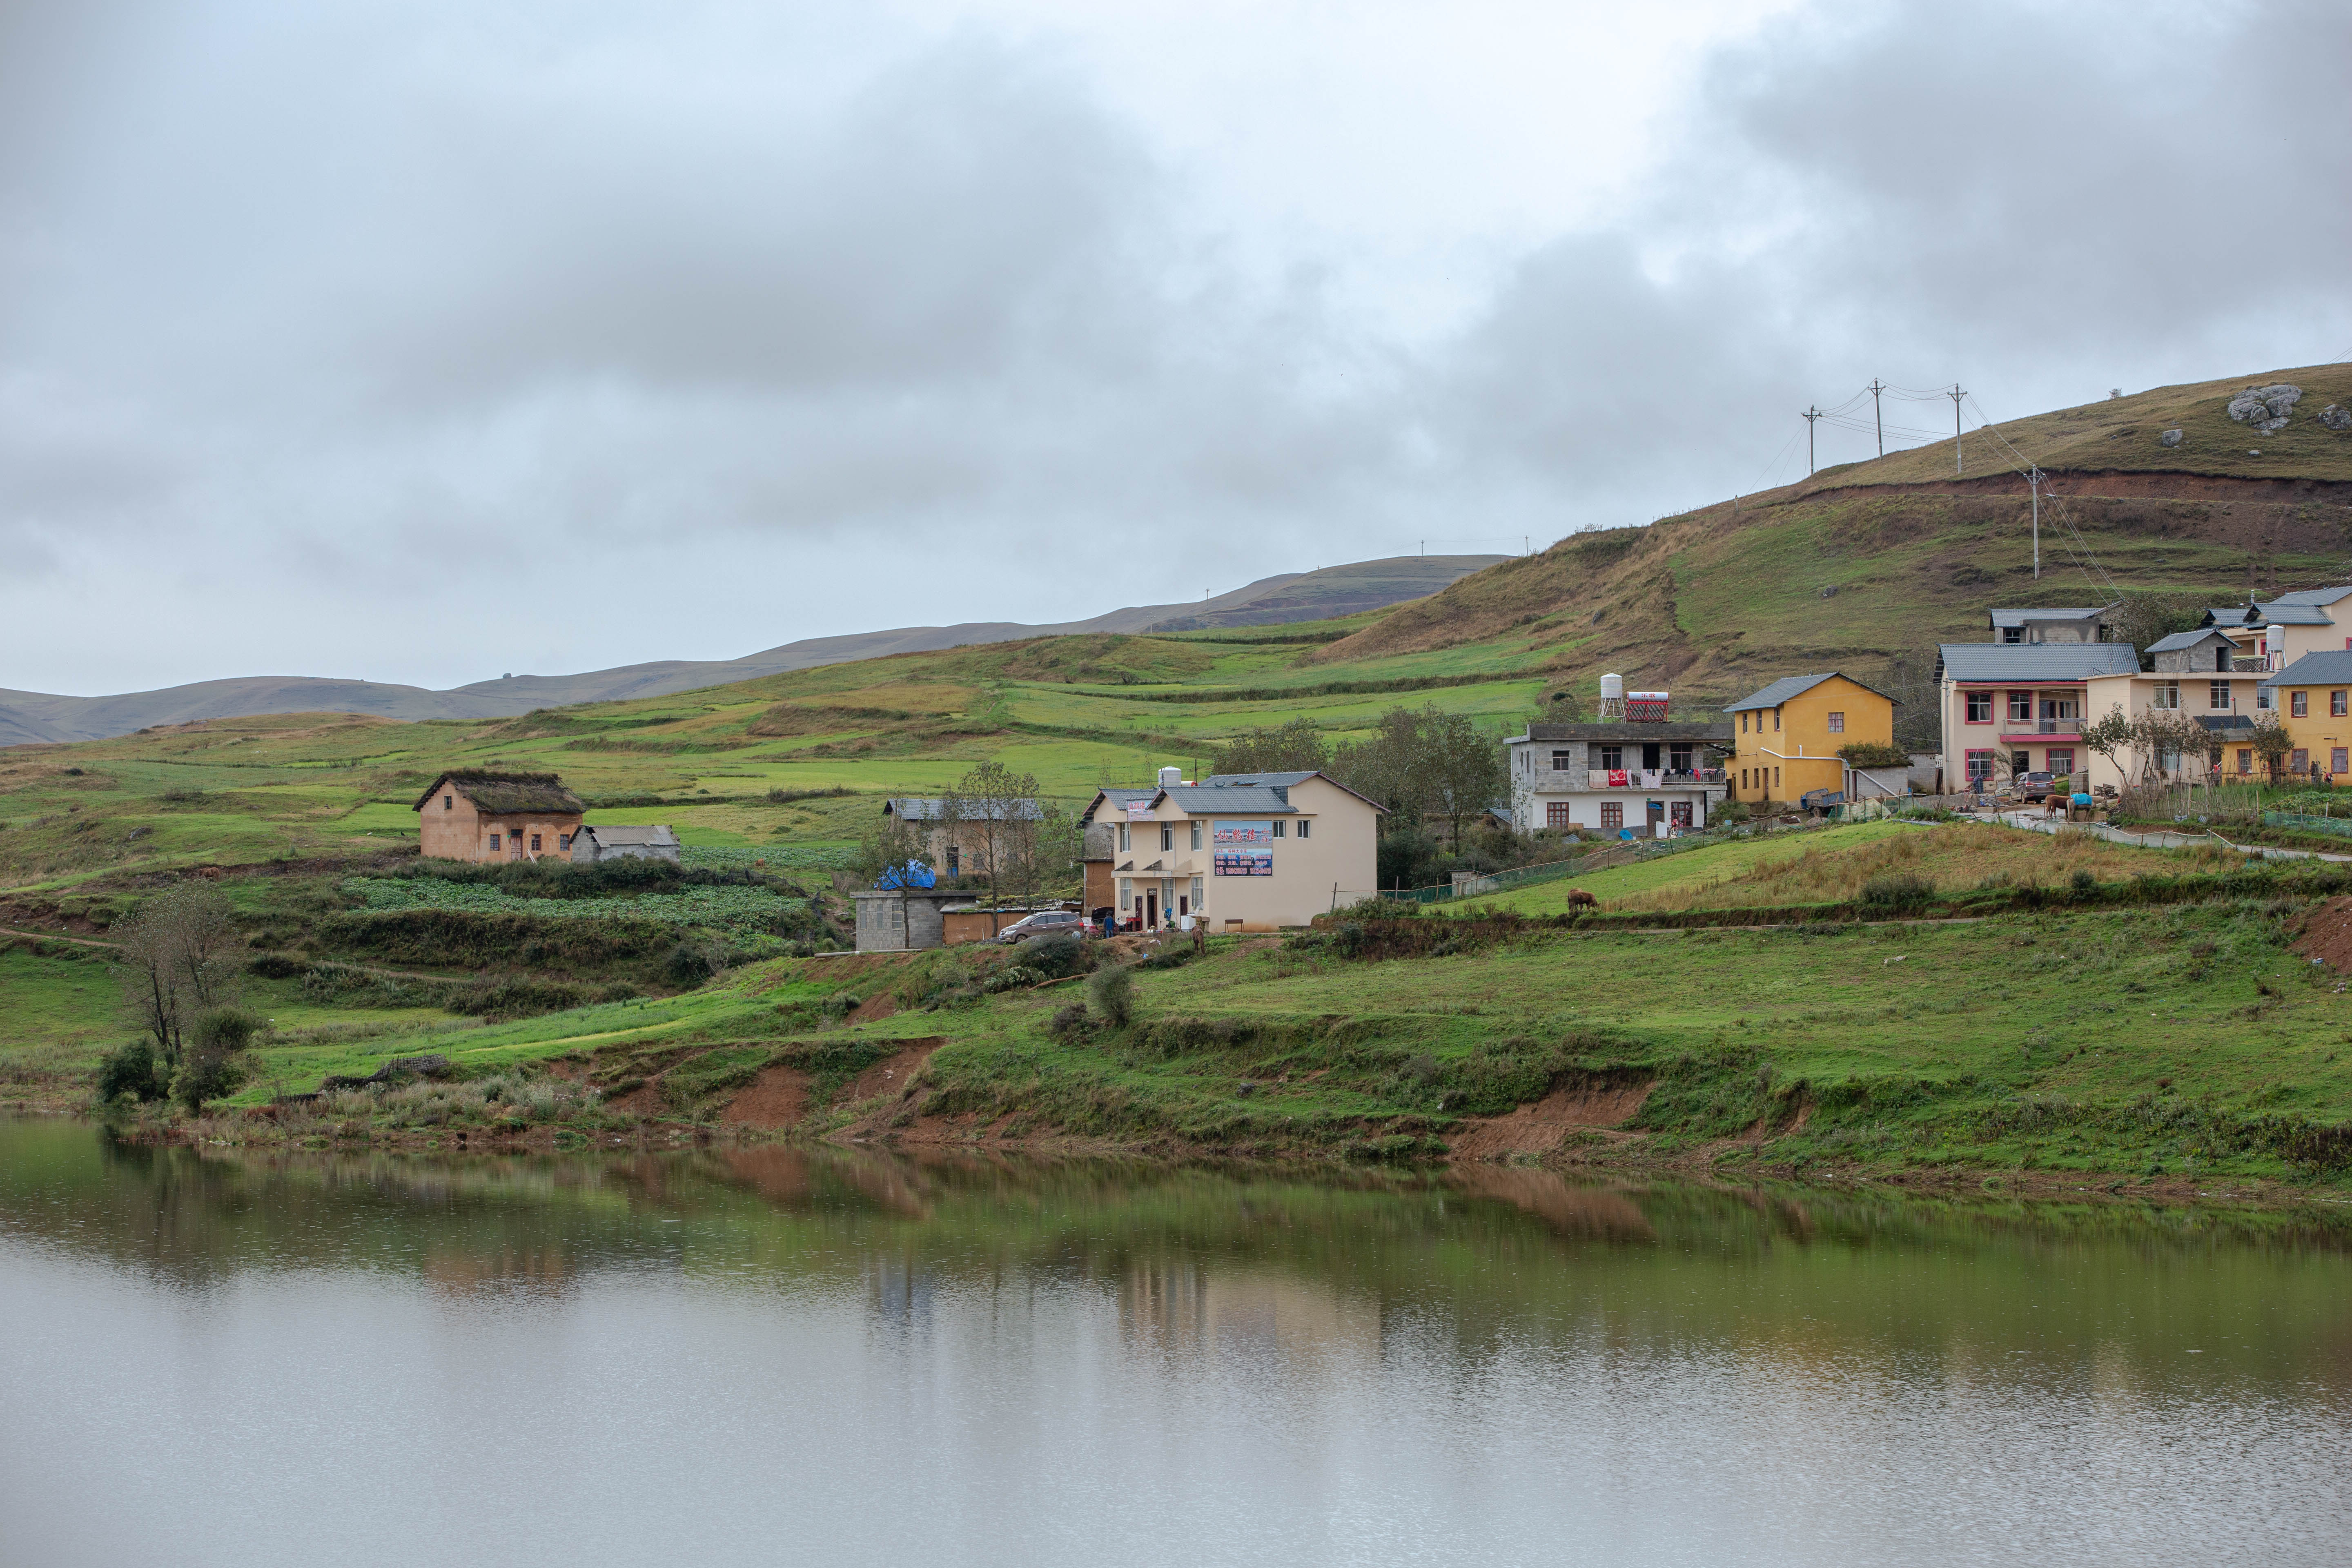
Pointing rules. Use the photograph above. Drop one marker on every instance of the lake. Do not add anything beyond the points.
(782, 1355)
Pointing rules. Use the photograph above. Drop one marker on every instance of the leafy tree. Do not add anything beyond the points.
(215, 1065)
(1464, 770)
(2110, 735)
(1390, 767)
(1294, 747)
(2162, 731)
(2272, 743)
(1872, 754)
(2141, 619)
(992, 815)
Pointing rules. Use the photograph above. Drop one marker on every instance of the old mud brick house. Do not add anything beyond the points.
(498, 816)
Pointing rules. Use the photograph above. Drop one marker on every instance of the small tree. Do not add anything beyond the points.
(1464, 770)
(2271, 743)
(177, 964)
(2141, 618)
(992, 814)
(2110, 735)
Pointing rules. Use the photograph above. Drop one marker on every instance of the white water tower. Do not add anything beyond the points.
(1612, 698)
(1169, 778)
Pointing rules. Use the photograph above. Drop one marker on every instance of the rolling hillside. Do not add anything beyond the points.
(1860, 569)
(32, 716)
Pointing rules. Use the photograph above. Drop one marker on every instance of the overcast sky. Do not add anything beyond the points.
(423, 341)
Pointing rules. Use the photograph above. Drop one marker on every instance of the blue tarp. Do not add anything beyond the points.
(913, 874)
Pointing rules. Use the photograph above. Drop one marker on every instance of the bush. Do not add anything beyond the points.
(1871, 754)
(2083, 881)
(1110, 994)
(224, 1031)
(132, 1070)
(275, 966)
(689, 964)
(1013, 977)
(1068, 1022)
(1897, 891)
(1056, 957)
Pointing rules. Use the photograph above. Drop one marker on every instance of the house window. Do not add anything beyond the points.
(2168, 694)
(2063, 707)
(1980, 707)
(2245, 759)
(1743, 723)
(1196, 836)
(1613, 757)
(1562, 760)
(1678, 759)
(2020, 762)
(1979, 768)
(2021, 705)
(1837, 723)
(534, 842)
(449, 802)
(1196, 892)
(2337, 760)
(1776, 720)
(563, 841)
(2298, 704)
(2335, 705)
(1776, 778)
(1126, 892)
(1303, 825)
(1279, 825)
(2299, 762)
(2061, 759)
(1556, 813)
(1168, 836)
(1679, 813)
(955, 860)
(1125, 838)
(1612, 814)
(494, 842)
(2263, 698)
(2012, 634)
(2219, 698)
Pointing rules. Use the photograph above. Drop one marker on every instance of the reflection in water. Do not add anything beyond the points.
(738, 1355)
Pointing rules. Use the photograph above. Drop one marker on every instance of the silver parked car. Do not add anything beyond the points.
(1044, 922)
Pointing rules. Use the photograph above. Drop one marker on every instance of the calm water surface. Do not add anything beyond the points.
(781, 1356)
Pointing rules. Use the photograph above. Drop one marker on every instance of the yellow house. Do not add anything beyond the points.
(1787, 736)
(2313, 699)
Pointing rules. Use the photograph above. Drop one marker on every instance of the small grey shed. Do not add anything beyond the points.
(615, 842)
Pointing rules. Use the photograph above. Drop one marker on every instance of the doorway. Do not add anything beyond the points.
(1650, 756)
(1150, 909)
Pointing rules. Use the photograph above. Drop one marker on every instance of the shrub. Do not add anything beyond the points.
(841, 1004)
(1069, 1022)
(1871, 754)
(689, 964)
(224, 1031)
(132, 1070)
(1013, 977)
(1056, 957)
(1110, 994)
(275, 966)
(2083, 881)
(1897, 891)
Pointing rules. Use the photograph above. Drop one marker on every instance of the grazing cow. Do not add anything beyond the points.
(1578, 899)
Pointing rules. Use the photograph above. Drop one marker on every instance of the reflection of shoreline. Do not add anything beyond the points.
(1594, 1213)
(524, 1271)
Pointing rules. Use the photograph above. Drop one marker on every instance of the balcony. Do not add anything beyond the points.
(2039, 730)
(2256, 664)
(1553, 779)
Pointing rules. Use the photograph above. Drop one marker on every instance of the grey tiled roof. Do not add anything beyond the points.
(1790, 686)
(2179, 640)
(2321, 596)
(1234, 800)
(2027, 661)
(611, 835)
(2332, 667)
(2057, 612)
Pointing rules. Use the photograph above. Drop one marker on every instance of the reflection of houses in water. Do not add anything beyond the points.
(533, 1270)
(900, 1293)
(1187, 1304)
(1582, 1213)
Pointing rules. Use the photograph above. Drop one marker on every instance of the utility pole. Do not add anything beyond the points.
(1809, 415)
(1956, 394)
(2034, 483)
(1875, 417)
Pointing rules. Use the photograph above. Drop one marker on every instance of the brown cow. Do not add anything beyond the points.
(1578, 899)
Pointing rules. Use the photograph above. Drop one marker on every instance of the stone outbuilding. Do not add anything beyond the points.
(615, 841)
(483, 816)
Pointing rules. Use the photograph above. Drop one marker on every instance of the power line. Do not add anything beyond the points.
(1809, 416)
(1956, 394)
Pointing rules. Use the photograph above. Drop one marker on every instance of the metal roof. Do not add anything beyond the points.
(2319, 597)
(1232, 800)
(2028, 661)
(1632, 735)
(1279, 781)
(927, 808)
(612, 834)
(2179, 640)
(2331, 667)
(1790, 686)
(1118, 797)
(2061, 613)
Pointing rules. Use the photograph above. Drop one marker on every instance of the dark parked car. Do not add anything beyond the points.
(2033, 786)
(1044, 922)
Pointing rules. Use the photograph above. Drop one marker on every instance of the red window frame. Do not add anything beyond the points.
(2020, 706)
(1977, 766)
(2057, 751)
(2245, 759)
(2335, 708)
(2298, 760)
(1556, 813)
(2339, 760)
(2298, 704)
(1612, 814)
